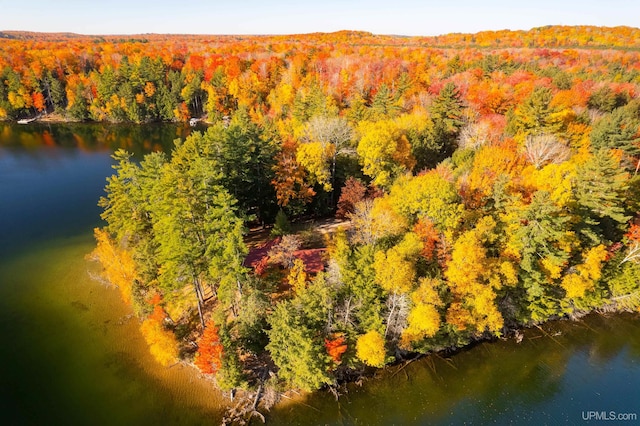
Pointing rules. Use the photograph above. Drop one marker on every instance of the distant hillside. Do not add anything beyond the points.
(549, 36)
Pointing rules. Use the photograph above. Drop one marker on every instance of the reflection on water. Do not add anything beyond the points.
(92, 136)
(70, 352)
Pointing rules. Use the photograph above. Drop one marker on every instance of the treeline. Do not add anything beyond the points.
(174, 78)
(462, 227)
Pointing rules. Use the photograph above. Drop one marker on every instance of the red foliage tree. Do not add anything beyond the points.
(352, 193)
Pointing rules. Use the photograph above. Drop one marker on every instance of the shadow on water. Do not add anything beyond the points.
(72, 354)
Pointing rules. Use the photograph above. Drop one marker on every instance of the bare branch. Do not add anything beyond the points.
(543, 149)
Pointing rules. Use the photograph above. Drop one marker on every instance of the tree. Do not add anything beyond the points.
(297, 276)
(295, 343)
(373, 220)
(283, 251)
(119, 266)
(446, 113)
(603, 99)
(446, 110)
(543, 149)
(577, 283)
(196, 229)
(364, 304)
(536, 115)
(333, 134)
(384, 151)
(162, 342)
(210, 351)
(370, 349)
(289, 181)
(539, 235)
(619, 130)
(600, 201)
(384, 104)
(336, 347)
(281, 226)
(244, 154)
(424, 319)
(351, 194)
(315, 157)
(427, 195)
(429, 236)
(395, 268)
(473, 276)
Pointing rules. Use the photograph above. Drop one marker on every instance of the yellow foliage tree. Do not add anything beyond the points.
(375, 219)
(119, 266)
(370, 349)
(315, 158)
(395, 269)
(162, 343)
(427, 195)
(384, 151)
(556, 179)
(297, 276)
(424, 319)
(577, 283)
(490, 163)
(473, 276)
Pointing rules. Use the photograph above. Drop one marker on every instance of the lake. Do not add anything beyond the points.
(71, 352)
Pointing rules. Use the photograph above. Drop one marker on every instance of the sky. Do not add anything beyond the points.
(402, 17)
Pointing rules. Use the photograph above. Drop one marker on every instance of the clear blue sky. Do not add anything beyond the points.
(409, 17)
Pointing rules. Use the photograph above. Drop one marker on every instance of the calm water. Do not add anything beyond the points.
(70, 353)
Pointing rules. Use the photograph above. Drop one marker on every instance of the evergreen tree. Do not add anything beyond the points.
(603, 99)
(384, 104)
(446, 110)
(360, 278)
(245, 156)
(79, 109)
(446, 114)
(619, 130)
(198, 234)
(536, 116)
(539, 233)
(600, 198)
(295, 344)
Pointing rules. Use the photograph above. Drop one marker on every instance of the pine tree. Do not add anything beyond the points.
(447, 109)
(536, 115)
(297, 349)
(600, 197)
(384, 104)
(446, 113)
(619, 130)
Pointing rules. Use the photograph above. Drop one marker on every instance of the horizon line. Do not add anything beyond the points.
(309, 33)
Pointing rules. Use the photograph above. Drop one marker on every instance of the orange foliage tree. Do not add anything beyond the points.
(210, 351)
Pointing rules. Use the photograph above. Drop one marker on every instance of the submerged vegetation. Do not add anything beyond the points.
(482, 190)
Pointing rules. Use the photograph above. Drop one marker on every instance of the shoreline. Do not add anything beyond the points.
(54, 118)
(293, 397)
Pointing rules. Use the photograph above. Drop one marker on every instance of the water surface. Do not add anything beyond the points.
(71, 353)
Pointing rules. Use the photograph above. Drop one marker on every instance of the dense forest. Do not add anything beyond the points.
(485, 183)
